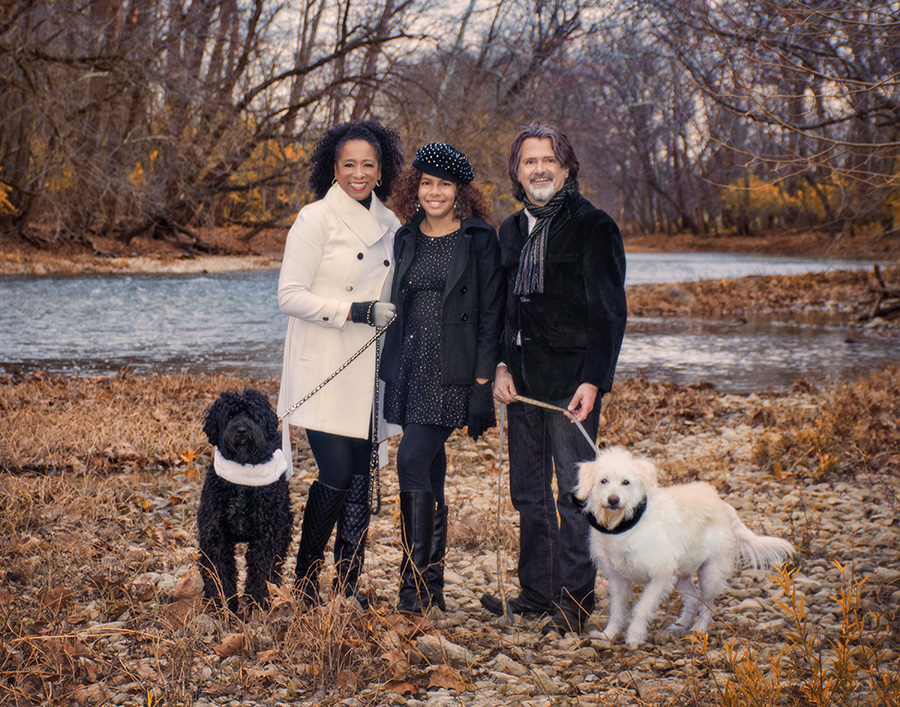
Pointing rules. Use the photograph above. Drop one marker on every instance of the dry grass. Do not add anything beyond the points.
(100, 482)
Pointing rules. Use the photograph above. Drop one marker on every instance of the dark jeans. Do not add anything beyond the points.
(339, 458)
(554, 560)
(422, 459)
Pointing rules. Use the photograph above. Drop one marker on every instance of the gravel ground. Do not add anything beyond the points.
(158, 649)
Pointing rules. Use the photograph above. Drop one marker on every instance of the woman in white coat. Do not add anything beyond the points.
(335, 286)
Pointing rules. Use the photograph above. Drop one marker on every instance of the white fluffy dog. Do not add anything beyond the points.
(661, 537)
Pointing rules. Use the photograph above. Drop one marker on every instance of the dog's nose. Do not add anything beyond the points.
(612, 501)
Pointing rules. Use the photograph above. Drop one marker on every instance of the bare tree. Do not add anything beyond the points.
(154, 117)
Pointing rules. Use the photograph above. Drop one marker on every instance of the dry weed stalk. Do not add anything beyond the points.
(853, 669)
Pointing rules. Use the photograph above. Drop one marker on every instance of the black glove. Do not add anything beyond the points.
(481, 410)
(376, 314)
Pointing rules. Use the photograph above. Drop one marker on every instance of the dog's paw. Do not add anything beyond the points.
(635, 638)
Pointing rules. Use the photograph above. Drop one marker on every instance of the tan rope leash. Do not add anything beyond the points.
(501, 590)
(548, 406)
(374, 469)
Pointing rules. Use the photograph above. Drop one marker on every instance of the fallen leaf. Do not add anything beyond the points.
(397, 663)
(347, 679)
(145, 672)
(231, 644)
(401, 687)
(188, 586)
(55, 598)
(88, 694)
(446, 677)
(279, 596)
(219, 689)
(271, 672)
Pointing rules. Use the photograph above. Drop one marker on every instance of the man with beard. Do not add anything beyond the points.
(565, 310)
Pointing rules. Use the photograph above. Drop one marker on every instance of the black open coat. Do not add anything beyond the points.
(572, 332)
(472, 305)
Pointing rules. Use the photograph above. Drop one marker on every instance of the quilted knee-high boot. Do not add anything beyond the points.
(350, 539)
(322, 508)
(417, 526)
(434, 574)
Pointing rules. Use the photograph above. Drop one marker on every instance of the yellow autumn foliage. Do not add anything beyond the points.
(5, 206)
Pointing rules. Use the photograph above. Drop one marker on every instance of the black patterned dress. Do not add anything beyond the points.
(418, 397)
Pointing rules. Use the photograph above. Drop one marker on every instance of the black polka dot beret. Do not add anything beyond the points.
(441, 160)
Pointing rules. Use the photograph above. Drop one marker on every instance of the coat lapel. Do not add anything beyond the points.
(369, 225)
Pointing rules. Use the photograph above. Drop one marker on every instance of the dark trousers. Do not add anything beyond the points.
(554, 560)
(339, 458)
(422, 459)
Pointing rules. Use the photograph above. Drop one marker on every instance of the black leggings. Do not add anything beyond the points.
(422, 460)
(339, 458)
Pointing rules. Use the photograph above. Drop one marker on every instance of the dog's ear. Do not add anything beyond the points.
(263, 413)
(585, 478)
(647, 472)
(211, 423)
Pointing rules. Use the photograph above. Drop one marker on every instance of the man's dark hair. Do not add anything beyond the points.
(563, 149)
(385, 142)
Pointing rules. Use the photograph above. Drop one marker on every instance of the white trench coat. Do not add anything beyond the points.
(337, 252)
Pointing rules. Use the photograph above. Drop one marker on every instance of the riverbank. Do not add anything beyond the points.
(229, 251)
(101, 479)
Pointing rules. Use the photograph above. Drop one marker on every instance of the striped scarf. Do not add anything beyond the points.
(530, 277)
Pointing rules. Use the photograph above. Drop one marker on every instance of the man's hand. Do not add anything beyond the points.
(582, 402)
(504, 388)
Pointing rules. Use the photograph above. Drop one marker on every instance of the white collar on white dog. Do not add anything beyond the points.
(251, 474)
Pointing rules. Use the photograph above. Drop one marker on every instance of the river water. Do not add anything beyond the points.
(230, 323)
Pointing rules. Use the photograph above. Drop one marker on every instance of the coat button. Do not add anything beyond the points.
(387, 263)
(464, 289)
(324, 319)
(359, 256)
(463, 317)
(349, 288)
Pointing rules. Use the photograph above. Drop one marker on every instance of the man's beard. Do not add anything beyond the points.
(541, 194)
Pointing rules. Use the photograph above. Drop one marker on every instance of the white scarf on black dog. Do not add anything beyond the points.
(252, 474)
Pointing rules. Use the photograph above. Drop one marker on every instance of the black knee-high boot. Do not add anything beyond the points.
(417, 525)
(434, 574)
(322, 508)
(350, 539)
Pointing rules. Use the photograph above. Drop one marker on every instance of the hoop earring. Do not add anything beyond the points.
(456, 208)
(378, 183)
(334, 181)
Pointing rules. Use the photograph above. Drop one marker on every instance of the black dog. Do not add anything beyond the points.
(244, 499)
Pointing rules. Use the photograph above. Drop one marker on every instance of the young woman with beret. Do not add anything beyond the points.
(439, 358)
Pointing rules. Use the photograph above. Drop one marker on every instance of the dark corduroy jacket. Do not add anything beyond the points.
(472, 305)
(572, 332)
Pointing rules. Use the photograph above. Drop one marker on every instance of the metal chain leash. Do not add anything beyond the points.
(374, 465)
(374, 468)
(378, 333)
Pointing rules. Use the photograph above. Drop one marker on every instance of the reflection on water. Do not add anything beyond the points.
(230, 323)
(751, 356)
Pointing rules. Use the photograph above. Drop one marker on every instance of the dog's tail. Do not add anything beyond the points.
(760, 551)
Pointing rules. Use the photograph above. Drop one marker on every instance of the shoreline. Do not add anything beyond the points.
(232, 254)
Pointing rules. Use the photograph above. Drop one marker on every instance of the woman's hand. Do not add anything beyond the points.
(376, 314)
(481, 410)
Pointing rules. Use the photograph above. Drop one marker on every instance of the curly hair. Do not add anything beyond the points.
(470, 200)
(385, 141)
(563, 149)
